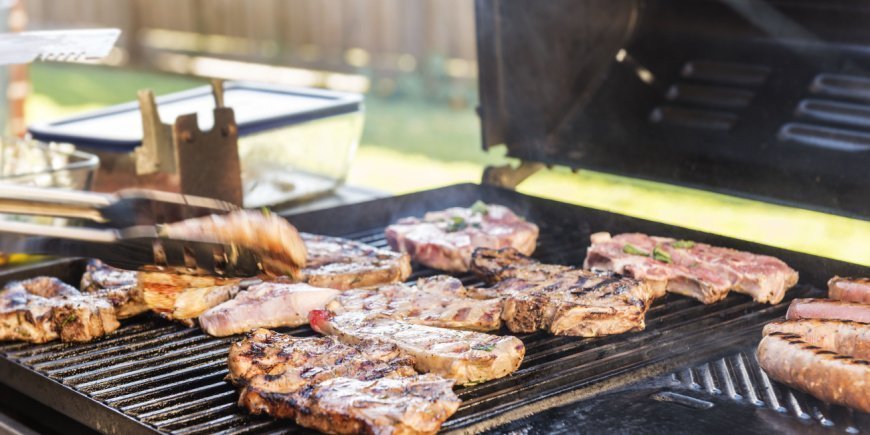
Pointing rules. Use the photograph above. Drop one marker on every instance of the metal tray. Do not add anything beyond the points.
(156, 376)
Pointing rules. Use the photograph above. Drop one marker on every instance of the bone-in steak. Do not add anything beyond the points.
(446, 239)
(440, 301)
(706, 273)
(561, 299)
(115, 285)
(342, 264)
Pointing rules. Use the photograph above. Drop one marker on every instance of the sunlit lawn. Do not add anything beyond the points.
(410, 146)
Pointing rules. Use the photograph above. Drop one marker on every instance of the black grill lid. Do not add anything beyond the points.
(763, 99)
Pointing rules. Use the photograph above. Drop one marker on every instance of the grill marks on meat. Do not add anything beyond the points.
(561, 299)
(117, 286)
(440, 301)
(335, 388)
(849, 289)
(464, 356)
(847, 338)
(706, 273)
(278, 243)
(828, 309)
(266, 305)
(43, 309)
(828, 375)
(446, 239)
(184, 297)
(343, 264)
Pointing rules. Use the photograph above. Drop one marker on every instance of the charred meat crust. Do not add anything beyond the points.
(845, 337)
(343, 264)
(827, 375)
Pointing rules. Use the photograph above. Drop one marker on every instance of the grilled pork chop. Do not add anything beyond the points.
(464, 356)
(117, 286)
(845, 337)
(266, 305)
(43, 309)
(808, 308)
(342, 264)
(561, 299)
(276, 241)
(336, 388)
(184, 297)
(440, 301)
(849, 289)
(697, 270)
(446, 239)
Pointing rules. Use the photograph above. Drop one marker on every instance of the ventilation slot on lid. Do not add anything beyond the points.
(713, 96)
(698, 118)
(841, 85)
(726, 72)
(835, 112)
(825, 137)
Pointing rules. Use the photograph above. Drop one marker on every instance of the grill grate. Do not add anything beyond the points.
(169, 378)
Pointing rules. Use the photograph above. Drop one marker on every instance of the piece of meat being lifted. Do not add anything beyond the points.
(445, 239)
(333, 387)
(706, 273)
(464, 356)
(265, 305)
(117, 286)
(440, 301)
(563, 300)
(43, 309)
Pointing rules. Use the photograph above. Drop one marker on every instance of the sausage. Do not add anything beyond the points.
(826, 375)
(849, 289)
(847, 338)
(828, 309)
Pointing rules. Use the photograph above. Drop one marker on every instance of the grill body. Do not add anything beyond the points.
(156, 376)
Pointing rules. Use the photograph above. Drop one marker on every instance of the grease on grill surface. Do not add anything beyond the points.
(171, 378)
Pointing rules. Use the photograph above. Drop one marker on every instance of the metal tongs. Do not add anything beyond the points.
(130, 237)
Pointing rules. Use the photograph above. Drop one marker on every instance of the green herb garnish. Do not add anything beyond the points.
(484, 347)
(634, 250)
(265, 211)
(479, 207)
(660, 255)
(456, 223)
(683, 244)
(68, 319)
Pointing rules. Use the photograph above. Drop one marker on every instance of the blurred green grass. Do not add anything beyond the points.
(411, 145)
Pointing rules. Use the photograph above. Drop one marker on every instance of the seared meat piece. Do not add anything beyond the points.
(828, 309)
(336, 388)
(115, 285)
(440, 301)
(561, 299)
(270, 236)
(413, 405)
(342, 264)
(847, 338)
(697, 270)
(184, 297)
(827, 375)
(464, 356)
(849, 289)
(312, 359)
(446, 239)
(266, 305)
(43, 309)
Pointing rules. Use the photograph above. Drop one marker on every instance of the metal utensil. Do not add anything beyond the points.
(56, 45)
(130, 248)
(119, 210)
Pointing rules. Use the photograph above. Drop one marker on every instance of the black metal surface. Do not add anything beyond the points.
(152, 375)
(766, 99)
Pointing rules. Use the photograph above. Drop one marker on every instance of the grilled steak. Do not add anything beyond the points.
(697, 270)
(336, 388)
(116, 286)
(446, 239)
(184, 297)
(561, 299)
(342, 264)
(440, 301)
(273, 238)
(43, 309)
(828, 309)
(827, 375)
(266, 305)
(847, 338)
(464, 356)
(849, 289)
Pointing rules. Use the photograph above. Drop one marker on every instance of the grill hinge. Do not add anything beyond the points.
(509, 177)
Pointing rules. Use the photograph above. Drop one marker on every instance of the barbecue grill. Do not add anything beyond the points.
(727, 95)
